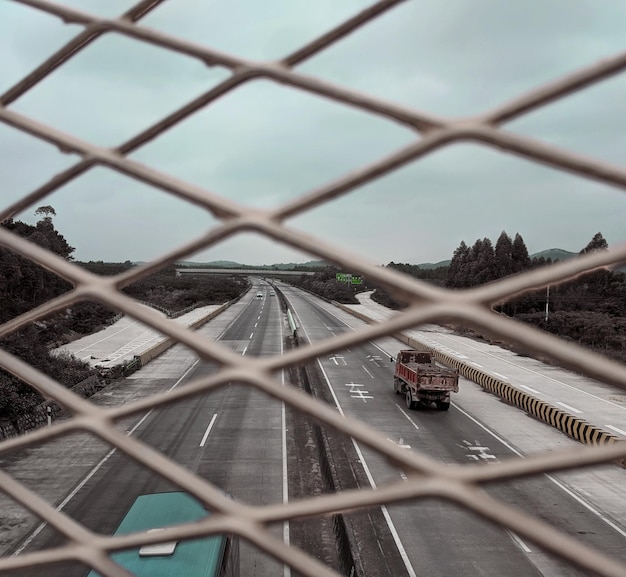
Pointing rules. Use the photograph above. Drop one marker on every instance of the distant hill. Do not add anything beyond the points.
(431, 265)
(554, 254)
(551, 253)
(232, 264)
(212, 264)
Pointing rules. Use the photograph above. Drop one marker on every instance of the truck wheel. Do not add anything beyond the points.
(410, 403)
(443, 405)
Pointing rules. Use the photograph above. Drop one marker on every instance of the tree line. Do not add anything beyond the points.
(590, 310)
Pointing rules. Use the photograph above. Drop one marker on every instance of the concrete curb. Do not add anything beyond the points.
(574, 427)
(156, 350)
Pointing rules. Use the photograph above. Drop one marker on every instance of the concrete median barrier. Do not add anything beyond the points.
(160, 348)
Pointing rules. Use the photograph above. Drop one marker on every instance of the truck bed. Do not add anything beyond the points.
(428, 376)
(429, 369)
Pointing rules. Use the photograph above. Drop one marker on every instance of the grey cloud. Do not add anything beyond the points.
(264, 144)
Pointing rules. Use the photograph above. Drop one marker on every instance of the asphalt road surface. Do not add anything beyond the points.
(241, 441)
(437, 538)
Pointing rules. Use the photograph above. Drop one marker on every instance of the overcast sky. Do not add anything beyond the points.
(265, 143)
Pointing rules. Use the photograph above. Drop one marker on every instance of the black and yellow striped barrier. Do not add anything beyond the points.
(574, 427)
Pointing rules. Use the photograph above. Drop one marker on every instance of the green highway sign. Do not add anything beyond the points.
(349, 278)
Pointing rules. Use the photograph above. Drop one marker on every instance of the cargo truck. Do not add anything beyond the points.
(422, 381)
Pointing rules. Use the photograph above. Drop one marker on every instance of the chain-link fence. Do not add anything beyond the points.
(427, 304)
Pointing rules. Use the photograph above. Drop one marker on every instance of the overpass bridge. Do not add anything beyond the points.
(264, 272)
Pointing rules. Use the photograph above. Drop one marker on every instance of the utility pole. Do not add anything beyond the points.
(547, 301)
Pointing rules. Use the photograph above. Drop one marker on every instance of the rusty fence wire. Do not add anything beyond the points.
(427, 304)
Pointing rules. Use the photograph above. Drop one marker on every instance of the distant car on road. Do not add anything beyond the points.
(259, 295)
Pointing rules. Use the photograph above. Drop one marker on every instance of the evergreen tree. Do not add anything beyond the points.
(503, 255)
(484, 264)
(519, 254)
(458, 267)
(596, 243)
(598, 282)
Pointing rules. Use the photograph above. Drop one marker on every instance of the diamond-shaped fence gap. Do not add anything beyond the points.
(536, 497)
(257, 37)
(443, 526)
(395, 218)
(218, 423)
(22, 152)
(574, 122)
(43, 34)
(92, 206)
(267, 155)
(26, 281)
(17, 520)
(73, 458)
(497, 63)
(114, 88)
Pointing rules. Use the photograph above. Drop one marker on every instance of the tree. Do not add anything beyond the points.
(596, 243)
(54, 241)
(458, 266)
(47, 211)
(519, 254)
(484, 264)
(503, 255)
(598, 281)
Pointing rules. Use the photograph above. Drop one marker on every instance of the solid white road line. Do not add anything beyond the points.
(392, 528)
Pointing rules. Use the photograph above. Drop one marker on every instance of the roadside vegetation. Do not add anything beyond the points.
(324, 283)
(590, 311)
(25, 285)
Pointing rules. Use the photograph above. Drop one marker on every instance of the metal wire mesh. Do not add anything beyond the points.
(472, 308)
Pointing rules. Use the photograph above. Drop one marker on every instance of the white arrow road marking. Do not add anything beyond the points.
(357, 393)
(400, 443)
(480, 452)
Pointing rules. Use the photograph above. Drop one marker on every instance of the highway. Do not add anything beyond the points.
(229, 437)
(256, 450)
(435, 538)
